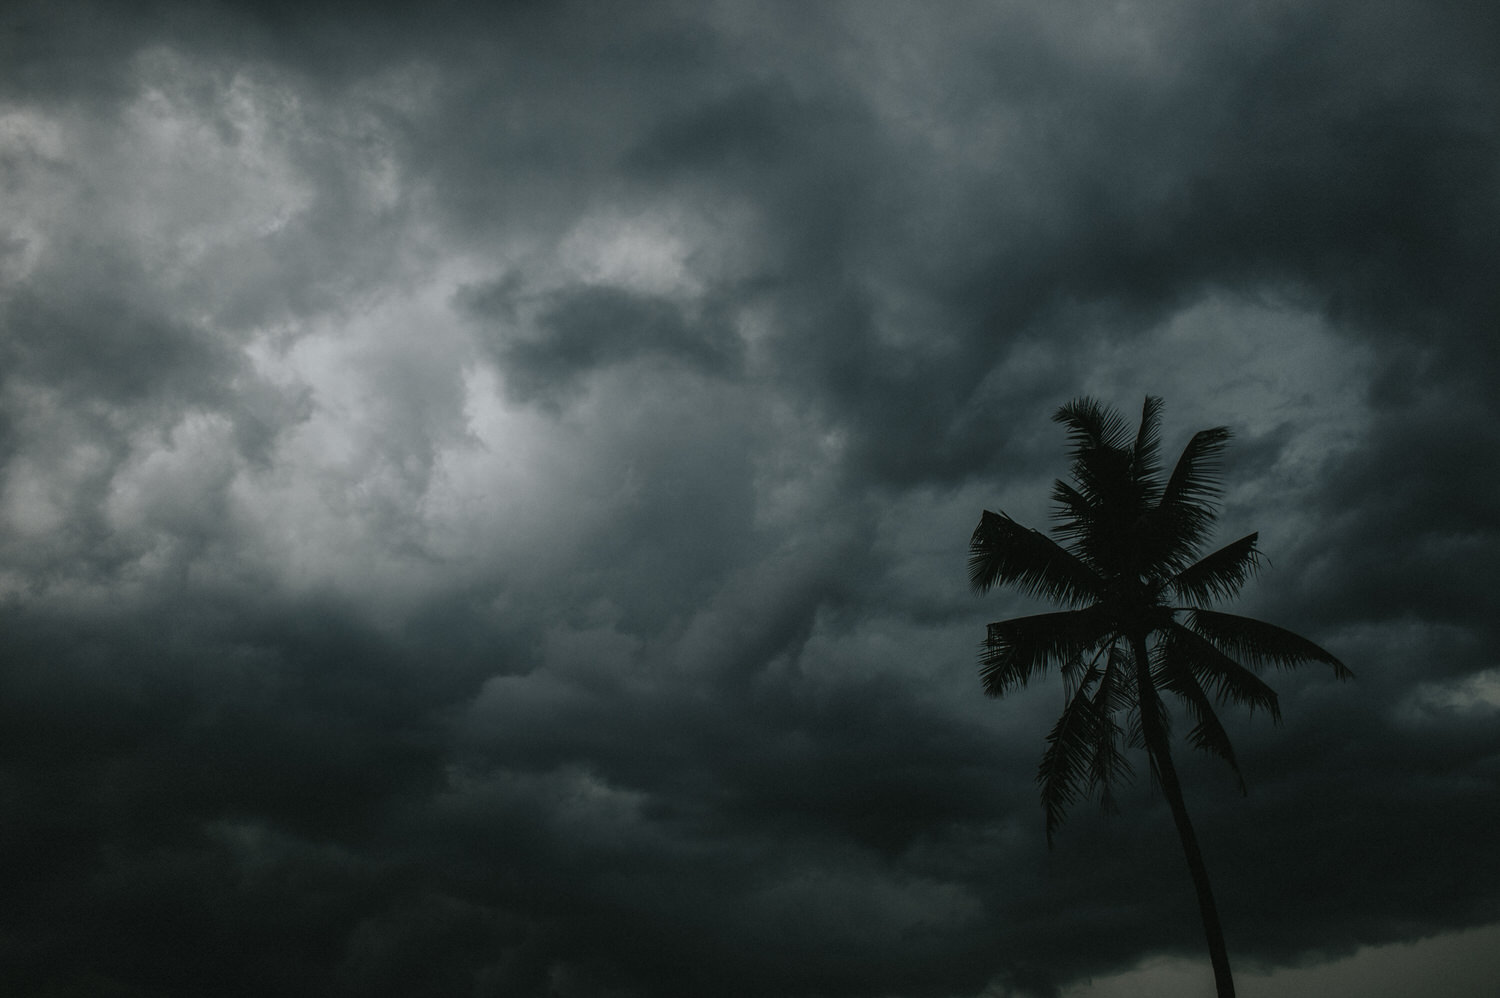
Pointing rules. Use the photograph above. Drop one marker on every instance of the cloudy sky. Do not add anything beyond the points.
(484, 490)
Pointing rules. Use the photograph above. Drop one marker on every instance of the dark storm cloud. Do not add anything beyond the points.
(1420, 528)
(586, 328)
(485, 489)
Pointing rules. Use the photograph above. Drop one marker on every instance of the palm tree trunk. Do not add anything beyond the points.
(1154, 733)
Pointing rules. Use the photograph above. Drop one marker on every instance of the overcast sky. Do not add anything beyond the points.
(485, 490)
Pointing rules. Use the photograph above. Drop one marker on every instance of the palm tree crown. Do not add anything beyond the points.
(1137, 617)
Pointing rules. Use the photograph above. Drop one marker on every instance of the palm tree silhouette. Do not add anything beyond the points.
(1137, 620)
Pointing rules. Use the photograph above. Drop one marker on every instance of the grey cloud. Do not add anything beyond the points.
(102, 339)
(581, 329)
(485, 488)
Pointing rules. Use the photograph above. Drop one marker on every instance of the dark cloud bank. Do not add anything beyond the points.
(485, 491)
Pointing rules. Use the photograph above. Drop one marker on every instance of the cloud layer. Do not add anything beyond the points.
(484, 490)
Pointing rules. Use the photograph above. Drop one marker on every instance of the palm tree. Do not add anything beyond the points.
(1136, 621)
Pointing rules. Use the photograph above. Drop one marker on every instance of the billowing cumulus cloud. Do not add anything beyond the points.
(484, 489)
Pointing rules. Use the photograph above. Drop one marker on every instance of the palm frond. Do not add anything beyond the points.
(1070, 746)
(1117, 685)
(1259, 644)
(1108, 762)
(1080, 667)
(1220, 575)
(1087, 526)
(1144, 463)
(1092, 424)
(1103, 477)
(1208, 734)
(1178, 524)
(1002, 552)
(1072, 510)
(1015, 650)
(1172, 534)
(1196, 475)
(1134, 737)
(1230, 681)
(1139, 695)
(1148, 699)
